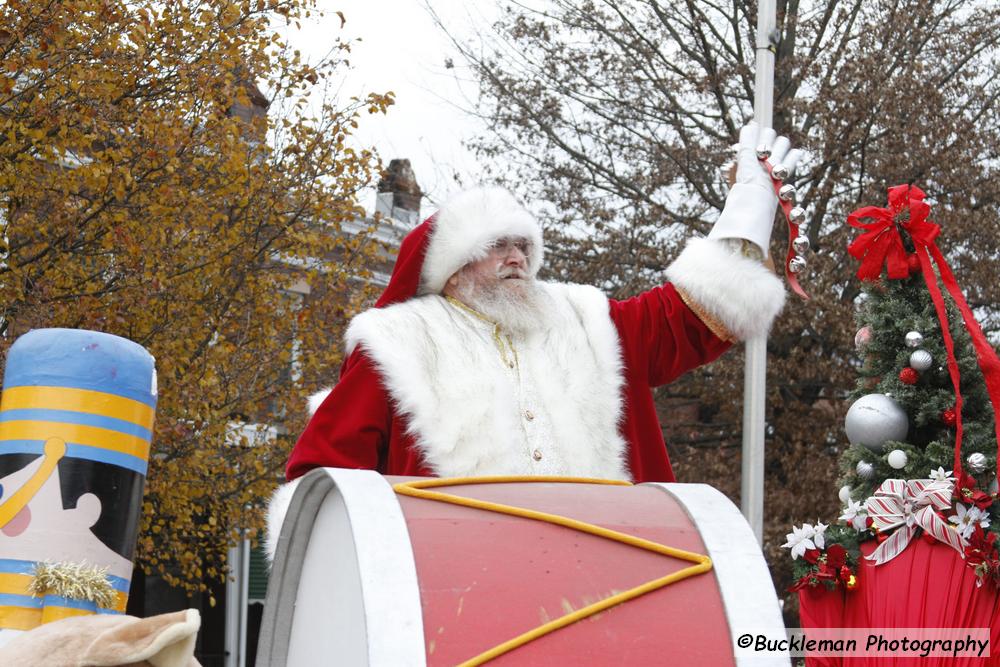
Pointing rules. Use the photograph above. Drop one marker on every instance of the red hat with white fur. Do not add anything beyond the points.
(462, 231)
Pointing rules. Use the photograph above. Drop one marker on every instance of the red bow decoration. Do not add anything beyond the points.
(882, 245)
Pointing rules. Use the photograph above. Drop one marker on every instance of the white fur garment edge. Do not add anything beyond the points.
(741, 292)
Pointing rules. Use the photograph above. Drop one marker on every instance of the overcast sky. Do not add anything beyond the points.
(402, 50)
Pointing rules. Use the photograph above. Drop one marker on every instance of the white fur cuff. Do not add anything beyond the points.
(743, 294)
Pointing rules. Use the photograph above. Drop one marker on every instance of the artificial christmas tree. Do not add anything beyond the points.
(915, 544)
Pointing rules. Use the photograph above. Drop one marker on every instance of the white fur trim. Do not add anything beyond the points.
(464, 228)
(741, 292)
(277, 507)
(174, 646)
(471, 423)
(317, 399)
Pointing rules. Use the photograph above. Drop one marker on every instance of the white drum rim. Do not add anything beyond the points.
(390, 590)
(748, 596)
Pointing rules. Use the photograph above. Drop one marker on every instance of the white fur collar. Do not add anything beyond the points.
(444, 373)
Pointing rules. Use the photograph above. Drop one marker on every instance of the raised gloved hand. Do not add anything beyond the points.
(751, 204)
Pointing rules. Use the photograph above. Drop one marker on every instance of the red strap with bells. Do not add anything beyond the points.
(793, 233)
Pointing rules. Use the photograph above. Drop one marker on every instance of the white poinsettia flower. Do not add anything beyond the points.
(966, 518)
(855, 515)
(800, 540)
(940, 475)
(818, 538)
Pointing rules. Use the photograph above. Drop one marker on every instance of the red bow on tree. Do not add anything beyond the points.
(882, 245)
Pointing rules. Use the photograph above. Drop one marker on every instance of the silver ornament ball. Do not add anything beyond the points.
(921, 360)
(875, 419)
(897, 459)
(977, 462)
(787, 193)
(865, 470)
(797, 264)
(797, 215)
(914, 339)
(800, 245)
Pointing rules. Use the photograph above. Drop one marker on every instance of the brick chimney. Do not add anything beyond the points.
(398, 193)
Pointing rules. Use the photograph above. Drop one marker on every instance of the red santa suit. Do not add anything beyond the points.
(431, 388)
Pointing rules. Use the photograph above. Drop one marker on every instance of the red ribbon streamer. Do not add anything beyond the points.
(881, 245)
(793, 233)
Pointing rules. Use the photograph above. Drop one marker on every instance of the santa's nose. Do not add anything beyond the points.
(515, 258)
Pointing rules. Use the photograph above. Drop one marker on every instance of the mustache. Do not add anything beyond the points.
(511, 272)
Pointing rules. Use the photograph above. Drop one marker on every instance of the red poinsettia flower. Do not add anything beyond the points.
(981, 547)
(845, 574)
(807, 580)
(836, 556)
(881, 244)
(965, 486)
(980, 499)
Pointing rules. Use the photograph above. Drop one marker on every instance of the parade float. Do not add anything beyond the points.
(915, 544)
(516, 571)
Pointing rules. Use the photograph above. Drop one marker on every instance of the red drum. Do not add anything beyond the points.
(365, 576)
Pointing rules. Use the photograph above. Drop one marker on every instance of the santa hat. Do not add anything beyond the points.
(462, 231)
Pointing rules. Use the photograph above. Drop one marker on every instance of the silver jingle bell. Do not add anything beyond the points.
(797, 215)
(787, 193)
(801, 245)
(797, 265)
(780, 172)
(977, 462)
(914, 339)
(763, 152)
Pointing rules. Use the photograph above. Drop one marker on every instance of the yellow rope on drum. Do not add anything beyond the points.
(419, 489)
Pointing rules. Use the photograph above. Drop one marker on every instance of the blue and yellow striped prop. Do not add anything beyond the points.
(73, 396)
(20, 610)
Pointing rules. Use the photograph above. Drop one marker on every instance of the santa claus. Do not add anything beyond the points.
(467, 365)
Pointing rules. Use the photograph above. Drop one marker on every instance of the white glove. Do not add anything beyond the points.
(751, 204)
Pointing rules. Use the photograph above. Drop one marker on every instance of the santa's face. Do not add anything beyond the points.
(503, 269)
(500, 286)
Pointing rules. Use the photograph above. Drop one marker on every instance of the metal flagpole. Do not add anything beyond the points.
(755, 369)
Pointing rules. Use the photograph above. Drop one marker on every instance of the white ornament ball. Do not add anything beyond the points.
(921, 360)
(865, 469)
(897, 459)
(914, 339)
(844, 494)
(977, 462)
(862, 338)
(875, 419)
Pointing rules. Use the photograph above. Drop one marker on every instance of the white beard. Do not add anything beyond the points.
(514, 304)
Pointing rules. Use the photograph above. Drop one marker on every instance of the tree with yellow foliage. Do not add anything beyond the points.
(150, 190)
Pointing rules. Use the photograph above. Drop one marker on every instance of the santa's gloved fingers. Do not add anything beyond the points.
(791, 160)
(748, 136)
(748, 167)
(778, 150)
(765, 140)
